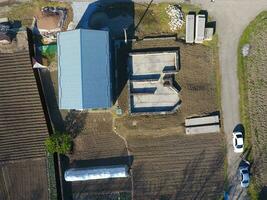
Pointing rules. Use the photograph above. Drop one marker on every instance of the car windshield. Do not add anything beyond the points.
(239, 146)
(245, 171)
(239, 136)
(245, 181)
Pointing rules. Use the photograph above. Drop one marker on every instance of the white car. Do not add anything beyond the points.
(244, 173)
(238, 142)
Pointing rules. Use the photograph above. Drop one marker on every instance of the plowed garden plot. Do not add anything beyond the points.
(197, 79)
(96, 145)
(177, 167)
(24, 180)
(253, 87)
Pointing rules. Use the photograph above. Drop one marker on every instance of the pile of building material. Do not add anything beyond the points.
(49, 22)
(197, 31)
(245, 50)
(198, 125)
(177, 17)
(4, 28)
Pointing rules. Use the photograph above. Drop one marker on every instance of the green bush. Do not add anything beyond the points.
(59, 143)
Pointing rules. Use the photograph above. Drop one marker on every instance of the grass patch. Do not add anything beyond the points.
(24, 12)
(253, 28)
(155, 21)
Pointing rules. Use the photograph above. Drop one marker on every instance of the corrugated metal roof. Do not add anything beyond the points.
(23, 127)
(84, 69)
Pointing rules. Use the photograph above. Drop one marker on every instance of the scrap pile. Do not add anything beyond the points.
(4, 29)
(176, 15)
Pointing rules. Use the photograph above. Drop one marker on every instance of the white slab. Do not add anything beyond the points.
(202, 120)
(190, 28)
(202, 129)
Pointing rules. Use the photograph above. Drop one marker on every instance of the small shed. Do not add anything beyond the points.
(84, 79)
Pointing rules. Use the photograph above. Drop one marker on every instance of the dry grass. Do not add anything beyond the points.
(253, 97)
(24, 12)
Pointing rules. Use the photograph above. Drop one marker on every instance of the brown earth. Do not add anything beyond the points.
(196, 78)
(97, 144)
(24, 180)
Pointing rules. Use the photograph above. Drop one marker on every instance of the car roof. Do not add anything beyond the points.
(239, 141)
(245, 177)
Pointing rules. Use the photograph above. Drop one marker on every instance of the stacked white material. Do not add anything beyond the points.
(94, 173)
(190, 28)
(177, 17)
(200, 28)
(202, 120)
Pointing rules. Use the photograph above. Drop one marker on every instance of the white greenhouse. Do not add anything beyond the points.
(94, 173)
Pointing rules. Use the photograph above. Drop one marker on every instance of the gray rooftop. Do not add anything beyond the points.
(151, 82)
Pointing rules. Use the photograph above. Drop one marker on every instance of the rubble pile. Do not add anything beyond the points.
(176, 15)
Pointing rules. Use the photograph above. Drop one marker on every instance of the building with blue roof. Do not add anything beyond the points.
(84, 77)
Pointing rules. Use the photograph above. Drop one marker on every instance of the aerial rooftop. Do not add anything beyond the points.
(151, 82)
(84, 69)
(23, 130)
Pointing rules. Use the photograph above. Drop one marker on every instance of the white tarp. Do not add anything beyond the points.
(93, 173)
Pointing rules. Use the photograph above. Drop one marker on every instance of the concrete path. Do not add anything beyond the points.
(232, 17)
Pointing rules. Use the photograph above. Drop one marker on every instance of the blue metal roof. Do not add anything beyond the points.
(84, 69)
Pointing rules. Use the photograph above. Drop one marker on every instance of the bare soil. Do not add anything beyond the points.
(197, 82)
(24, 180)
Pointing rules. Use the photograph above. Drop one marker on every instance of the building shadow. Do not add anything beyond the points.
(211, 24)
(121, 160)
(263, 193)
(117, 17)
(66, 186)
(52, 104)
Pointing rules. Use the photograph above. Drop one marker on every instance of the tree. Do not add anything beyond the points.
(59, 143)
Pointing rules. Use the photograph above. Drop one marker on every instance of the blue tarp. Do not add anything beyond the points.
(84, 69)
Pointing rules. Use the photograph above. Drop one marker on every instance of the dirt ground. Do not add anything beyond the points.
(27, 178)
(255, 64)
(97, 144)
(196, 79)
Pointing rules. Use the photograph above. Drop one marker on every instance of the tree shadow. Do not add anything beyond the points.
(74, 122)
